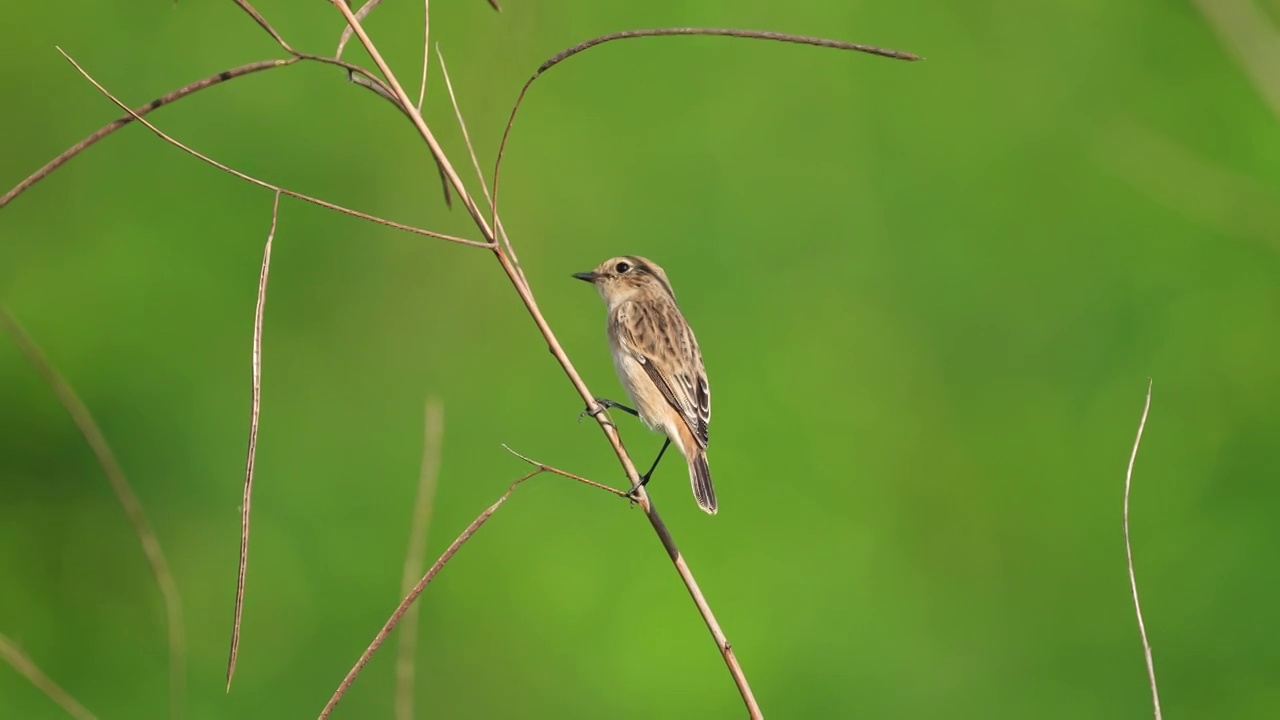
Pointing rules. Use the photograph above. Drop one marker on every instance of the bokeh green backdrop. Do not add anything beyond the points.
(930, 296)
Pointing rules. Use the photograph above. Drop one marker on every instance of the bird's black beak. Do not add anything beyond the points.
(588, 276)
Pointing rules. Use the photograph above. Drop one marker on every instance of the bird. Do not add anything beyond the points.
(659, 363)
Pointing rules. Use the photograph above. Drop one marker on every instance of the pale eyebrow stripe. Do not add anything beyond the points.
(644, 267)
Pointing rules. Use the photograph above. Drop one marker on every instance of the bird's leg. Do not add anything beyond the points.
(644, 479)
(605, 405)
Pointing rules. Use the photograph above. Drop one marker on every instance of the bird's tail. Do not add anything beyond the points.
(700, 477)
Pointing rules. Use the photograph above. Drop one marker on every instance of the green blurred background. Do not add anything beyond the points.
(929, 295)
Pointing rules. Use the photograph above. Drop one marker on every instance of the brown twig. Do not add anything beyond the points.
(251, 455)
(1128, 551)
(433, 432)
(475, 164)
(114, 125)
(382, 90)
(665, 32)
(357, 75)
(426, 52)
(261, 183)
(262, 22)
(361, 14)
(557, 471)
(416, 117)
(422, 89)
(365, 79)
(431, 573)
(354, 71)
(28, 669)
(97, 442)
(413, 594)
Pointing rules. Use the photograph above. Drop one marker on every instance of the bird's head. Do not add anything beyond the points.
(626, 278)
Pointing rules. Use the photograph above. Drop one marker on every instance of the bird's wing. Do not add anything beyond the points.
(666, 349)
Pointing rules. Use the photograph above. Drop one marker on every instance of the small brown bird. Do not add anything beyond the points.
(658, 362)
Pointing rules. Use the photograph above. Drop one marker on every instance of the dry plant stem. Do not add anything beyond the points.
(431, 573)
(1128, 551)
(382, 90)
(20, 662)
(128, 501)
(422, 88)
(261, 183)
(262, 22)
(357, 75)
(365, 79)
(111, 127)
(251, 455)
(557, 471)
(664, 32)
(401, 97)
(361, 14)
(203, 83)
(426, 52)
(417, 589)
(475, 164)
(428, 476)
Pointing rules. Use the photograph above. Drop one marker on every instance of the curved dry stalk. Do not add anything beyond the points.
(261, 183)
(255, 411)
(361, 14)
(428, 477)
(132, 115)
(1128, 551)
(557, 471)
(416, 117)
(375, 84)
(366, 79)
(417, 589)
(129, 502)
(354, 71)
(665, 32)
(439, 564)
(262, 22)
(475, 164)
(426, 52)
(28, 669)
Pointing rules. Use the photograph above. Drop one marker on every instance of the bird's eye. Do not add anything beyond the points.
(622, 267)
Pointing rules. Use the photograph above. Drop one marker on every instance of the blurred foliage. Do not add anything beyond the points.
(929, 295)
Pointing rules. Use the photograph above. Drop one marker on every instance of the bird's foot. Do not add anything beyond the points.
(604, 404)
(631, 494)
